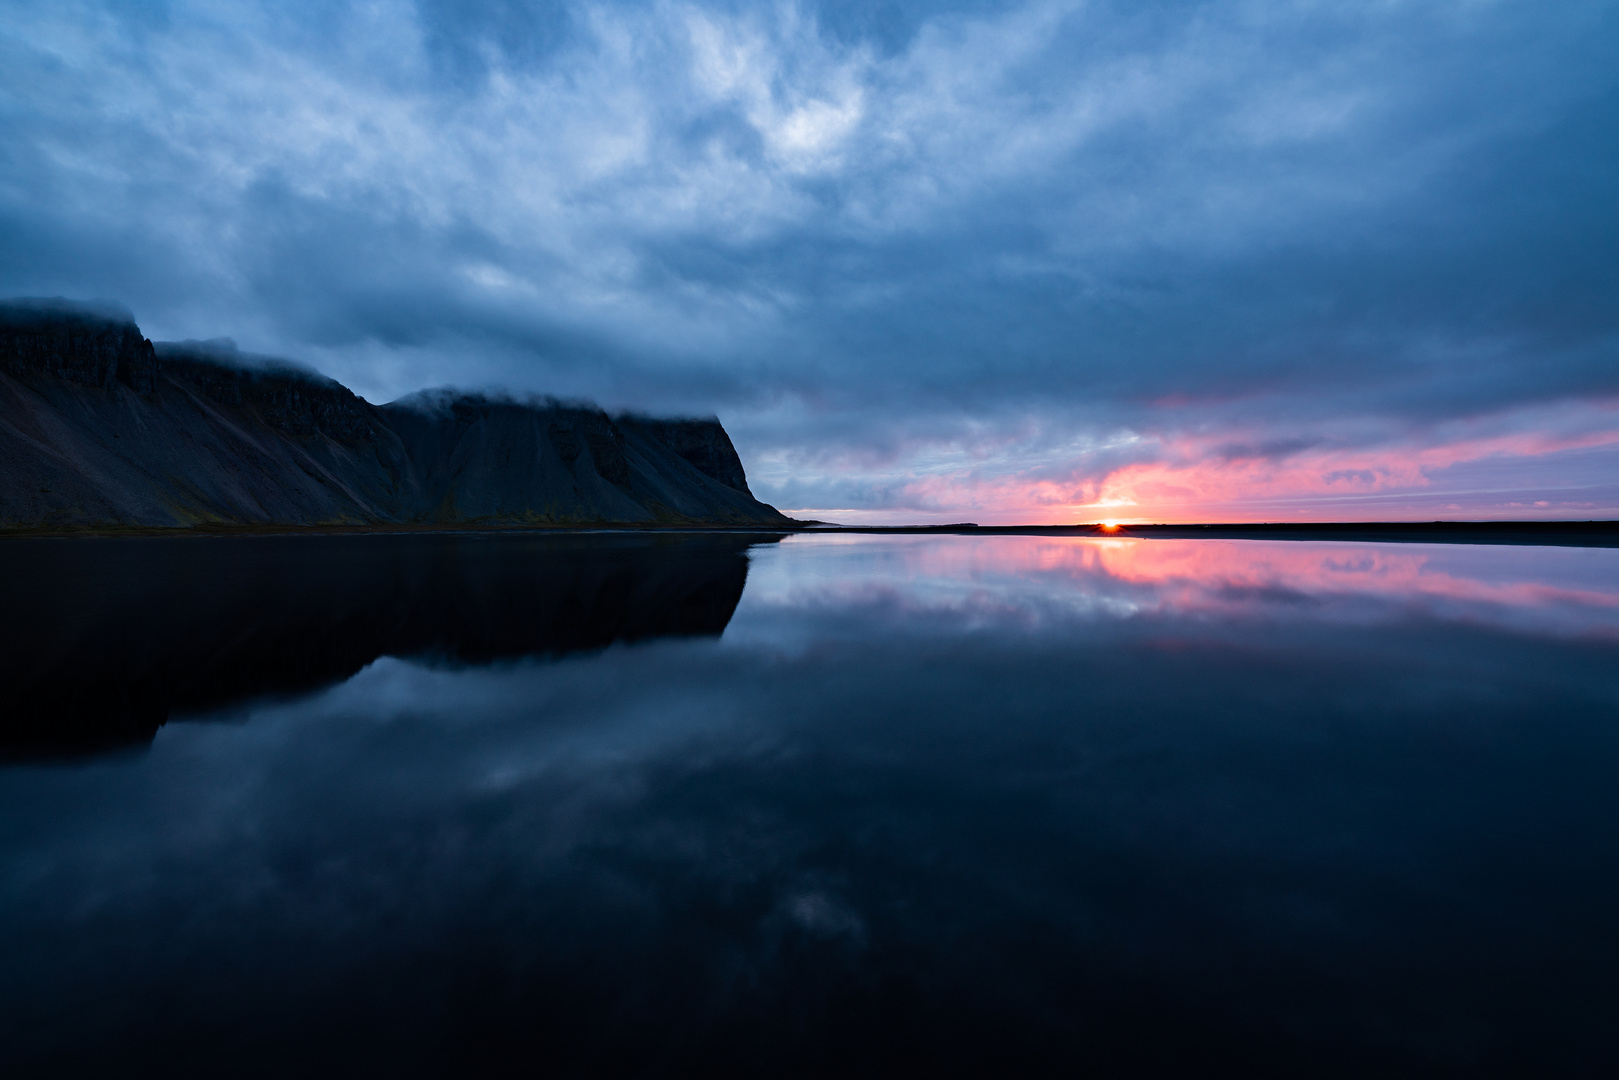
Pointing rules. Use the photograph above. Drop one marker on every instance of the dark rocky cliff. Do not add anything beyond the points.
(89, 345)
(703, 443)
(98, 427)
(290, 399)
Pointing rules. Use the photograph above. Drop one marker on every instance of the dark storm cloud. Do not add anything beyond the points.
(887, 241)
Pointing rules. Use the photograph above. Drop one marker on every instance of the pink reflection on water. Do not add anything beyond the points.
(1560, 590)
(1207, 573)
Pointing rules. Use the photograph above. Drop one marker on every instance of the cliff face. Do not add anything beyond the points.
(703, 443)
(289, 399)
(78, 344)
(98, 427)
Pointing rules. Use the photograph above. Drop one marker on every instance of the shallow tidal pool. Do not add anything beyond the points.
(620, 804)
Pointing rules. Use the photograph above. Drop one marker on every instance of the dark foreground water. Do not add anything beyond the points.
(479, 806)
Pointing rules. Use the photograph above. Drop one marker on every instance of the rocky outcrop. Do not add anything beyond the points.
(90, 345)
(100, 428)
(290, 399)
(703, 443)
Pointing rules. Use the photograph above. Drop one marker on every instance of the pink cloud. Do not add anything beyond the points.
(1195, 475)
(1550, 461)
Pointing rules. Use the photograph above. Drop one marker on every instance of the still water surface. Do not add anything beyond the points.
(630, 805)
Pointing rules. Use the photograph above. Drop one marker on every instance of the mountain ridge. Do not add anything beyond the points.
(101, 427)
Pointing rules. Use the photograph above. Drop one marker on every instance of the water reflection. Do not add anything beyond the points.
(961, 805)
(1563, 590)
(107, 639)
(1576, 583)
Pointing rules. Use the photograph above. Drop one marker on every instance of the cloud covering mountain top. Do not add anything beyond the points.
(1037, 261)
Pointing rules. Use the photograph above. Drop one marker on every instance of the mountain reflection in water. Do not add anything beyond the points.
(959, 805)
(115, 636)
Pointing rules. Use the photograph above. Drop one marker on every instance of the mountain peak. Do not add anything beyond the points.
(99, 427)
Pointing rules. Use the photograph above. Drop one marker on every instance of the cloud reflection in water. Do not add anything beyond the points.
(960, 804)
(1019, 579)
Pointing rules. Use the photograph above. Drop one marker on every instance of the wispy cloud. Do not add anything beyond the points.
(895, 245)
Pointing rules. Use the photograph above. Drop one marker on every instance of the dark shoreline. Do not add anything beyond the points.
(1555, 533)
(153, 532)
(1534, 533)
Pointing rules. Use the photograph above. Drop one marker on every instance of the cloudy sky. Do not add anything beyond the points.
(1042, 261)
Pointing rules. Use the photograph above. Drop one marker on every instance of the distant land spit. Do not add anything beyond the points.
(1560, 533)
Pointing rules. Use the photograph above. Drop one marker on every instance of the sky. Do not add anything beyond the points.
(1037, 262)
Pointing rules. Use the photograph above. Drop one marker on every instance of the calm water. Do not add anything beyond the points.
(816, 805)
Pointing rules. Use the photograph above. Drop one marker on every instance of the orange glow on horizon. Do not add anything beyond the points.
(1228, 477)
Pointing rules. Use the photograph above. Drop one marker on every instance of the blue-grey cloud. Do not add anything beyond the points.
(889, 234)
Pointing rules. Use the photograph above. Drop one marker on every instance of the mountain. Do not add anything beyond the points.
(99, 426)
